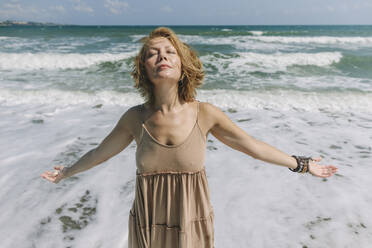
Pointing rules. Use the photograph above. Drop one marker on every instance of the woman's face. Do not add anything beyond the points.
(162, 61)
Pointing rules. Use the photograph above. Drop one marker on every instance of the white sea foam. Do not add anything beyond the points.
(240, 42)
(275, 99)
(67, 98)
(197, 39)
(124, 48)
(257, 33)
(316, 40)
(23, 44)
(257, 36)
(250, 42)
(327, 213)
(137, 37)
(42, 128)
(53, 45)
(270, 62)
(289, 100)
(50, 61)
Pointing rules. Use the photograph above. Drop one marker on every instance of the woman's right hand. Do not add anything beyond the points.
(56, 175)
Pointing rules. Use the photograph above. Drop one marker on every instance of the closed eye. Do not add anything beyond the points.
(151, 52)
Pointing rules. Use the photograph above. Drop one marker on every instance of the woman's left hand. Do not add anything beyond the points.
(321, 170)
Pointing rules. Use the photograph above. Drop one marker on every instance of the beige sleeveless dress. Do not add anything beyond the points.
(172, 207)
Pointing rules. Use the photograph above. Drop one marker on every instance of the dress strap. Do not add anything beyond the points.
(197, 122)
(197, 111)
(142, 121)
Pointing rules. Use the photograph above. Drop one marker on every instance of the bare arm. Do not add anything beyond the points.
(230, 134)
(118, 139)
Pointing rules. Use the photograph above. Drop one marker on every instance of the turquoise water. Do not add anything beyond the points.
(234, 57)
(306, 90)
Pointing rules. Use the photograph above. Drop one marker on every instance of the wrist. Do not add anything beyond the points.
(303, 164)
(65, 172)
(293, 165)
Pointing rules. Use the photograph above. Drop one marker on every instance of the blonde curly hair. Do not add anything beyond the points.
(192, 73)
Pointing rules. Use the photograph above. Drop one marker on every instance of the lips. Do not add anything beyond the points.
(163, 66)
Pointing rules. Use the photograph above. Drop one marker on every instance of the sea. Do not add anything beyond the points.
(306, 90)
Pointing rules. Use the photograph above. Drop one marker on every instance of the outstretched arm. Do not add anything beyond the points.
(118, 139)
(230, 134)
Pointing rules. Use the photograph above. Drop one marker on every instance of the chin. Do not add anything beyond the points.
(161, 79)
(166, 76)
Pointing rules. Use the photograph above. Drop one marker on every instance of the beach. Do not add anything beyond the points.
(306, 90)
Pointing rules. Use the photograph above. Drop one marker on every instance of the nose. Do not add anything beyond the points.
(163, 55)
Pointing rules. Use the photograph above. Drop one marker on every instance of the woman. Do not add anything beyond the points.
(172, 203)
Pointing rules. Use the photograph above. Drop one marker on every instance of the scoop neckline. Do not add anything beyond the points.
(170, 146)
(184, 141)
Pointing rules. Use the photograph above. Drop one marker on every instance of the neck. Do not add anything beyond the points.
(166, 98)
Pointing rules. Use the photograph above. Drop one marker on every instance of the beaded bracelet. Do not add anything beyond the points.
(302, 164)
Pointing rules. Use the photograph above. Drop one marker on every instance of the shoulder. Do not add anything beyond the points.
(209, 110)
(210, 115)
(132, 112)
(207, 106)
(131, 117)
(130, 121)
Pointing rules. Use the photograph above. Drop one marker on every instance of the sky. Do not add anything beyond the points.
(188, 12)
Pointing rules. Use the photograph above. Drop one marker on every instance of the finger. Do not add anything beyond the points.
(58, 167)
(317, 159)
(50, 174)
(321, 174)
(52, 179)
(331, 171)
(326, 174)
(46, 174)
(43, 174)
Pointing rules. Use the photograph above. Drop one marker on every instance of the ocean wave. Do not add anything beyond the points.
(316, 40)
(269, 62)
(52, 61)
(57, 45)
(283, 100)
(250, 41)
(289, 100)
(67, 98)
(356, 66)
(238, 42)
(257, 33)
(136, 37)
(287, 33)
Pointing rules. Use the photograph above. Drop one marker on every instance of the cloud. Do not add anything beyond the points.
(58, 8)
(115, 6)
(330, 8)
(82, 6)
(368, 4)
(166, 9)
(17, 11)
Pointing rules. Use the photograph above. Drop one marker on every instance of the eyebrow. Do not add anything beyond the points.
(155, 48)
